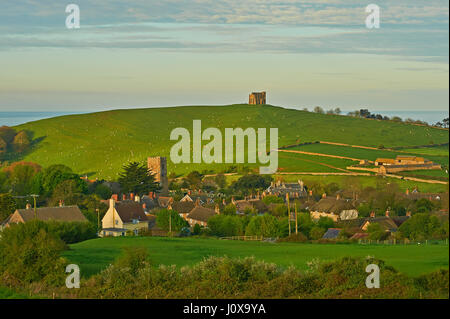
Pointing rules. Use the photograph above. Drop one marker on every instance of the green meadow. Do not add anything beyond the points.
(98, 144)
(437, 155)
(94, 255)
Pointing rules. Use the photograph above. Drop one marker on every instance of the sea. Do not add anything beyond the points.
(15, 118)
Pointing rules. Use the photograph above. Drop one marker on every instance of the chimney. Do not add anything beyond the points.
(408, 214)
(224, 202)
(112, 202)
(310, 193)
(232, 200)
(407, 191)
(115, 197)
(144, 206)
(387, 213)
(61, 203)
(338, 197)
(132, 196)
(28, 206)
(372, 214)
(324, 195)
(137, 198)
(124, 197)
(197, 202)
(217, 210)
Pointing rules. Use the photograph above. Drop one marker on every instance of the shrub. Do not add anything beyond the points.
(29, 252)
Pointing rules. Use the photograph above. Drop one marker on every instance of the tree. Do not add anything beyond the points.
(227, 225)
(325, 223)
(319, 110)
(376, 232)
(420, 226)
(7, 206)
(29, 252)
(194, 179)
(220, 180)
(67, 191)
(316, 232)
(21, 177)
(46, 181)
(138, 179)
(264, 225)
(21, 141)
(230, 209)
(168, 219)
(252, 182)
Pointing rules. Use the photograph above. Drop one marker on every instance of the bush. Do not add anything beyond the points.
(294, 238)
(30, 252)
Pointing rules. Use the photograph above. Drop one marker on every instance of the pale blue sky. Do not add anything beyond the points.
(207, 52)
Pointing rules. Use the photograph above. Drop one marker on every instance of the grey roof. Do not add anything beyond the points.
(331, 233)
(64, 213)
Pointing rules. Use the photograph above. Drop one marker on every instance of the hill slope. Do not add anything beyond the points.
(99, 143)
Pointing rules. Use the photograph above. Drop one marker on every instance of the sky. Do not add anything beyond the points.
(150, 53)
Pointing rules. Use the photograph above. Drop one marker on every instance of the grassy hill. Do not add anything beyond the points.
(98, 144)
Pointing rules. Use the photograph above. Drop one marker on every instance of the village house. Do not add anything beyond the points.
(60, 213)
(182, 208)
(280, 189)
(122, 217)
(200, 215)
(334, 208)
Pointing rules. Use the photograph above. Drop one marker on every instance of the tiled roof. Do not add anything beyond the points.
(183, 207)
(129, 210)
(201, 214)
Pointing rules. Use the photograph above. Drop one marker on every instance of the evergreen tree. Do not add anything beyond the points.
(138, 179)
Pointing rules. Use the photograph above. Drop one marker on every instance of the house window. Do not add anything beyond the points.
(123, 234)
(117, 222)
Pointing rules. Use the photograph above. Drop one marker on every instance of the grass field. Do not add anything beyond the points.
(438, 151)
(6, 293)
(294, 162)
(94, 255)
(98, 144)
(438, 155)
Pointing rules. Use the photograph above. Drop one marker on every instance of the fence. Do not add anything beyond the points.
(402, 242)
(253, 238)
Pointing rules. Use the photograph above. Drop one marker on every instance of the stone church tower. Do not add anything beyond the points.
(158, 166)
(257, 98)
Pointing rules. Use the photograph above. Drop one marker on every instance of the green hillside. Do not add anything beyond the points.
(99, 143)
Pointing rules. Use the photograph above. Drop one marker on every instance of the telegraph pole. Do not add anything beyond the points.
(296, 223)
(289, 213)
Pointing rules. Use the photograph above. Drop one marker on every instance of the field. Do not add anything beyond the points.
(94, 255)
(437, 155)
(98, 144)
